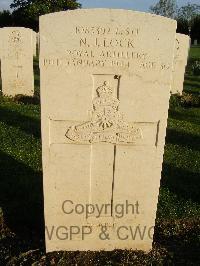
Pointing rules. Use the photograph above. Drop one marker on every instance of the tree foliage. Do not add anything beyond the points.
(182, 26)
(27, 12)
(188, 16)
(195, 28)
(189, 12)
(166, 8)
(6, 18)
(44, 7)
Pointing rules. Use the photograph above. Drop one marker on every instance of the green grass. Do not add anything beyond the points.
(180, 188)
(20, 165)
(36, 75)
(180, 195)
(21, 196)
(195, 52)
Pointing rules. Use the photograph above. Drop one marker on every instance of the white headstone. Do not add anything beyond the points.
(180, 62)
(17, 61)
(105, 88)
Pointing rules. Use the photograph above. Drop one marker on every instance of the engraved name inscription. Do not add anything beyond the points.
(14, 44)
(107, 43)
(107, 123)
(98, 46)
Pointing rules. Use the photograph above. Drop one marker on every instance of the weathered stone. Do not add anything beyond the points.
(180, 62)
(105, 88)
(17, 61)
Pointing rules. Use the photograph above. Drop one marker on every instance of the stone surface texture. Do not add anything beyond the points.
(16, 45)
(105, 88)
(180, 62)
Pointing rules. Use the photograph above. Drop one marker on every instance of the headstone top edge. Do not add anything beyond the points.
(16, 28)
(183, 36)
(110, 10)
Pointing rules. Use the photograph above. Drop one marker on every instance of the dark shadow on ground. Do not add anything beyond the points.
(192, 78)
(21, 198)
(181, 239)
(186, 116)
(195, 90)
(182, 138)
(36, 77)
(19, 98)
(192, 84)
(182, 182)
(28, 124)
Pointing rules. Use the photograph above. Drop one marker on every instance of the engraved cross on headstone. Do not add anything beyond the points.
(104, 132)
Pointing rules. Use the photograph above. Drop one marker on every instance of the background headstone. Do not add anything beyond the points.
(105, 88)
(17, 61)
(180, 62)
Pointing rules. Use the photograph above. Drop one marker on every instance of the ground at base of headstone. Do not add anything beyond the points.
(176, 241)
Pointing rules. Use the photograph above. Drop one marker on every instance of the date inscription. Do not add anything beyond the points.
(106, 47)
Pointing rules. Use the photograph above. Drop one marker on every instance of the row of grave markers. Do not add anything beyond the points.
(106, 78)
(17, 61)
(17, 44)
